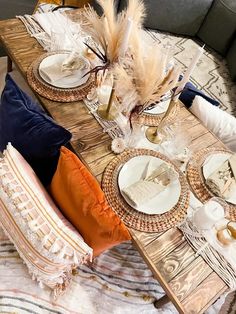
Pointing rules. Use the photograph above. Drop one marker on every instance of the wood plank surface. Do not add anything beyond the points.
(171, 264)
(198, 299)
(188, 281)
(189, 278)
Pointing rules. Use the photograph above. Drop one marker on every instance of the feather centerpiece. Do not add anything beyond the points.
(143, 68)
(146, 75)
(112, 33)
(110, 30)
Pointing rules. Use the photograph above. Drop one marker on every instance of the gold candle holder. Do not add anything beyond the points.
(153, 133)
(106, 111)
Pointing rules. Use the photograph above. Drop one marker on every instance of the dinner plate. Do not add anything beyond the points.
(213, 162)
(134, 170)
(160, 107)
(74, 80)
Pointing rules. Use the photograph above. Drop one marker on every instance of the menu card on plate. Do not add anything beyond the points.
(151, 184)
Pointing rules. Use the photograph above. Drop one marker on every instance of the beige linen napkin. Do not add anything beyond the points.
(54, 72)
(74, 62)
(142, 191)
(222, 181)
(152, 184)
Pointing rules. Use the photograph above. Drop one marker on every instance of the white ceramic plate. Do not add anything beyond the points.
(133, 171)
(213, 162)
(160, 107)
(71, 81)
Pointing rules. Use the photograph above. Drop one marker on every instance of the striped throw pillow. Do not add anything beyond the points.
(46, 241)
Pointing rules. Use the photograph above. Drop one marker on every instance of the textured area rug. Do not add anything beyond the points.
(211, 74)
(229, 306)
(119, 280)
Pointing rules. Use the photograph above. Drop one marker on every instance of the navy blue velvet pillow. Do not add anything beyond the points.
(190, 91)
(30, 130)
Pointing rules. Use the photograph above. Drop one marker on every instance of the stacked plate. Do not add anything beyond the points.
(156, 214)
(211, 164)
(133, 170)
(46, 77)
(202, 165)
(51, 71)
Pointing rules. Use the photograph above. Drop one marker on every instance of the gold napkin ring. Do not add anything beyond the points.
(231, 230)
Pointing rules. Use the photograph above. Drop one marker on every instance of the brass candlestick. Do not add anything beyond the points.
(153, 132)
(107, 112)
(152, 135)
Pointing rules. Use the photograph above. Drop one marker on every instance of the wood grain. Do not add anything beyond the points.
(208, 290)
(145, 238)
(164, 244)
(190, 277)
(178, 259)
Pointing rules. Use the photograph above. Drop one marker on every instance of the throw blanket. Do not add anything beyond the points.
(118, 282)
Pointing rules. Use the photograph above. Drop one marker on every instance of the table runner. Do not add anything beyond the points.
(202, 247)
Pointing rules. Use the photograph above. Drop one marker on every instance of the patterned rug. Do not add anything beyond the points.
(211, 74)
(229, 306)
(119, 280)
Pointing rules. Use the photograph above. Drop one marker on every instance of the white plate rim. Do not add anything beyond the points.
(224, 156)
(57, 84)
(141, 210)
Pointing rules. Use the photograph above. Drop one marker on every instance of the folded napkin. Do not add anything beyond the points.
(222, 181)
(74, 62)
(54, 72)
(152, 184)
(142, 191)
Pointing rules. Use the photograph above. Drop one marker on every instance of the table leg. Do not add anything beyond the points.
(9, 64)
(162, 301)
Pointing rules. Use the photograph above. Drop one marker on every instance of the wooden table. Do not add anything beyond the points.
(187, 279)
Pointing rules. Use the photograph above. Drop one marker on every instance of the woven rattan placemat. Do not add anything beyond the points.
(197, 181)
(131, 217)
(53, 93)
(154, 119)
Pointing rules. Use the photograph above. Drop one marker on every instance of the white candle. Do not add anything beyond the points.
(206, 216)
(125, 42)
(189, 71)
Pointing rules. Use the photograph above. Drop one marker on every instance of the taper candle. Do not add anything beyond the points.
(189, 71)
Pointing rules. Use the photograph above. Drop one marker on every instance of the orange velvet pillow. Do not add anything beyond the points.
(82, 201)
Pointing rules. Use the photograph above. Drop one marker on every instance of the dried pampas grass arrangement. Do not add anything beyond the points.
(109, 30)
(153, 79)
(147, 76)
(143, 75)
